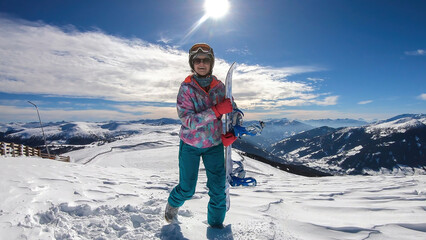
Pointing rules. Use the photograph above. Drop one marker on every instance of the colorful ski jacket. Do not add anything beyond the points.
(200, 126)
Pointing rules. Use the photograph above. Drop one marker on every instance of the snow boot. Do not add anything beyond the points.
(171, 213)
(217, 226)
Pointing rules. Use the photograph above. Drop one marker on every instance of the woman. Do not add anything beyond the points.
(200, 105)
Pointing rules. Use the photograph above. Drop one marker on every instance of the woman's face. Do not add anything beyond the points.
(202, 65)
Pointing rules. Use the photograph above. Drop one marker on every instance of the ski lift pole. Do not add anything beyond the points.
(41, 126)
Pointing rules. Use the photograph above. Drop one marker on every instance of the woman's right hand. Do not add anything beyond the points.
(222, 108)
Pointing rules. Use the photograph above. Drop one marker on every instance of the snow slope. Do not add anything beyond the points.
(119, 191)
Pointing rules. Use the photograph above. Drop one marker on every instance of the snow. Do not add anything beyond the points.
(354, 151)
(341, 149)
(119, 190)
(349, 135)
(400, 125)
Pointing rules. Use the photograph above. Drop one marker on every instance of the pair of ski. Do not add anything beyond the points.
(235, 177)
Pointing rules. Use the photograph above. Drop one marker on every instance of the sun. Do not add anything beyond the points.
(216, 8)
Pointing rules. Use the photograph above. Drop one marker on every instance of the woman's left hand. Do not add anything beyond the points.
(228, 138)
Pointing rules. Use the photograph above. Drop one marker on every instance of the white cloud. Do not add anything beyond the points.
(38, 58)
(315, 79)
(365, 102)
(330, 100)
(422, 96)
(238, 51)
(28, 114)
(418, 52)
(41, 59)
(164, 40)
(150, 111)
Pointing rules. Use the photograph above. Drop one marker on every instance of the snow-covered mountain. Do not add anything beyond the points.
(64, 136)
(118, 190)
(394, 145)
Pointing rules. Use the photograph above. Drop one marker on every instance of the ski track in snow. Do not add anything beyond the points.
(121, 194)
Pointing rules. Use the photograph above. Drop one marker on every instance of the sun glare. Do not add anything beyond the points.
(216, 8)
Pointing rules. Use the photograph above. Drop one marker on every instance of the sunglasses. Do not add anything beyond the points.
(204, 60)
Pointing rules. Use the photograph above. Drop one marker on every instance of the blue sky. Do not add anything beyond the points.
(124, 60)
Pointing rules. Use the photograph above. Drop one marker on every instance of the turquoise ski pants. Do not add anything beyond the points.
(214, 162)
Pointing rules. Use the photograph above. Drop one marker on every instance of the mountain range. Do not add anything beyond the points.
(394, 145)
(336, 123)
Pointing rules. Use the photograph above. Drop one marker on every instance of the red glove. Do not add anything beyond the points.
(228, 139)
(222, 108)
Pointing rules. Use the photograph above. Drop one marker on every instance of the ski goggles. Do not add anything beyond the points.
(204, 60)
(204, 48)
